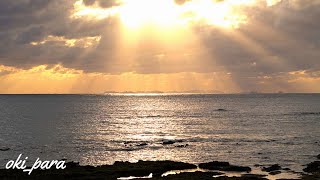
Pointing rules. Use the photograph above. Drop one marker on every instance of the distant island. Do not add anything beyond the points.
(164, 92)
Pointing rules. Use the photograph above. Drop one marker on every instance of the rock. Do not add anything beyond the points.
(221, 110)
(254, 176)
(237, 168)
(275, 167)
(318, 156)
(313, 167)
(72, 164)
(4, 149)
(142, 144)
(192, 175)
(244, 177)
(182, 146)
(167, 142)
(275, 172)
(224, 166)
(157, 168)
(214, 165)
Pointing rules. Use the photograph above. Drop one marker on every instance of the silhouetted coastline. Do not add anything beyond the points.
(159, 170)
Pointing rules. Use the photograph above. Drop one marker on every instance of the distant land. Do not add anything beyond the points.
(164, 92)
(190, 92)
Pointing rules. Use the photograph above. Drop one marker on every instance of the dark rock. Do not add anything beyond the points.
(318, 156)
(275, 172)
(118, 169)
(221, 110)
(144, 168)
(182, 146)
(315, 176)
(142, 144)
(4, 149)
(224, 166)
(286, 169)
(313, 167)
(237, 168)
(72, 164)
(254, 176)
(244, 177)
(167, 142)
(214, 165)
(275, 167)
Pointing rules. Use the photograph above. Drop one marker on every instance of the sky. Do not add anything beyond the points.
(210, 46)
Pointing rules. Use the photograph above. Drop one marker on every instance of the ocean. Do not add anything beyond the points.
(243, 129)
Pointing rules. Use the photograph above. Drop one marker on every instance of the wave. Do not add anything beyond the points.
(221, 110)
(303, 113)
(309, 113)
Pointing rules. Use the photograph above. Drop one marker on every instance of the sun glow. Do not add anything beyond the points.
(147, 12)
(166, 13)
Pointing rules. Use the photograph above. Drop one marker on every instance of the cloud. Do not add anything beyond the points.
(279, 37)
(180, 2)
(102, 3)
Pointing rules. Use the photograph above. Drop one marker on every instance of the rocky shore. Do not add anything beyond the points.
(162, 170)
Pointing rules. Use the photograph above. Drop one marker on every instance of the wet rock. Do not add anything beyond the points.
(222, 110)
(193, 175)
(182, 146)
(286, 169)
(313, 167)
(142, 144)
(72, 164)
(214, 165)
(275, 167)
(224, 166)
(144, 168)
(168, 142)
(4, 149)
(275, 172)
(254, 176)
(118, 169)
(244, 177)
(237, 168)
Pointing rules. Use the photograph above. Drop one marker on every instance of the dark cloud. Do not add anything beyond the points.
(89, 2)
(102, 3)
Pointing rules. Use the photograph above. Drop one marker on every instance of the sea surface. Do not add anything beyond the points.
(243, 129)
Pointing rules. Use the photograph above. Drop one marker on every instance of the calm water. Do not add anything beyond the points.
(255, 129)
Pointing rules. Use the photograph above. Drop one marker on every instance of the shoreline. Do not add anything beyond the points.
(168, 170)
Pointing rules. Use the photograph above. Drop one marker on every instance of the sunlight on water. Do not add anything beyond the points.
(241, 129)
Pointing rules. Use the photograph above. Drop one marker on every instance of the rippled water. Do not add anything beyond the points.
(253, 129)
